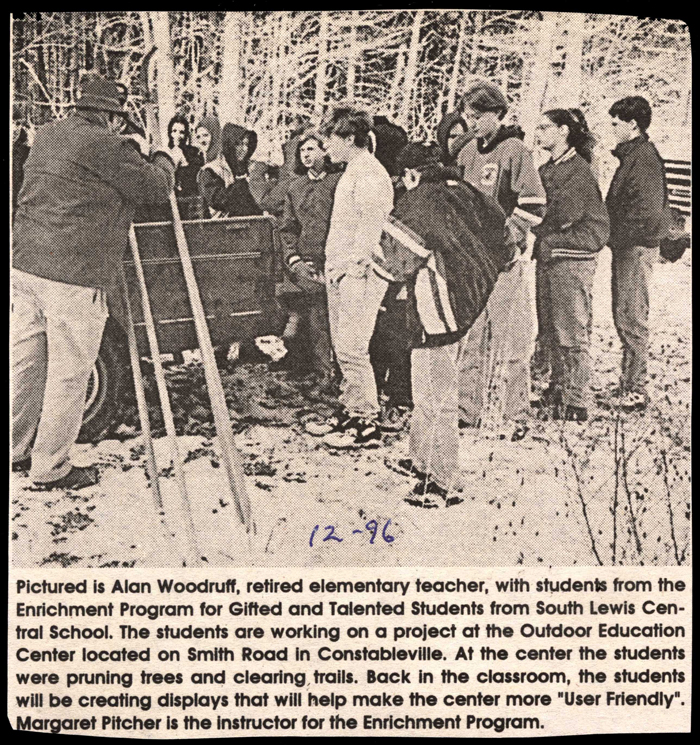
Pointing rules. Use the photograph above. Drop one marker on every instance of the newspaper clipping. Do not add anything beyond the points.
(351, 374)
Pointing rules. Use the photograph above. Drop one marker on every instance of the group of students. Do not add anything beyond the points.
(406, 264)
(407, 287)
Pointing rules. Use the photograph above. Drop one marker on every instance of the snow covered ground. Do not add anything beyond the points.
(613, 490)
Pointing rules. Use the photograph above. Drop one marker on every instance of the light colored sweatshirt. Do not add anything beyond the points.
(363, 200)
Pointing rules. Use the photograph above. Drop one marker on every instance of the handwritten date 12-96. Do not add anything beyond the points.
(372, 527)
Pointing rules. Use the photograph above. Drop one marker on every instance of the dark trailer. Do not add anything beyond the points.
(237, 264)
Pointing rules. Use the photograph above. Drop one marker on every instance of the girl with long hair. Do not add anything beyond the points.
(574, 229)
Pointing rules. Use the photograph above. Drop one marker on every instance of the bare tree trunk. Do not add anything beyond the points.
(457, 68)
(231, 103)
(411, 70)
(531, 105)
(573, 65)
(352, 55)
(321, 65)
(164, 70)
(475, 49)
(394, 91)
(279, 83)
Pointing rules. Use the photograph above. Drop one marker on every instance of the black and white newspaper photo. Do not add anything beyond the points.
(350, 373)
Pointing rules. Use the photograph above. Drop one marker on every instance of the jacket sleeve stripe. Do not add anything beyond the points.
(425, 304)
(405, 236)
(524, 215)
(441, 293)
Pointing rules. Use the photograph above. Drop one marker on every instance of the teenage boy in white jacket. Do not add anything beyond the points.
(363, 200)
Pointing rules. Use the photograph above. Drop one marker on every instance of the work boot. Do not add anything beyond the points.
(76, 478)
(356, 432)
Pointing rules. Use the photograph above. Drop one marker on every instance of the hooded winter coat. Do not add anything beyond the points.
(223, 181)
(82, 184)
(212, 125)
(448, 241)
(390, 139)
(447, 123)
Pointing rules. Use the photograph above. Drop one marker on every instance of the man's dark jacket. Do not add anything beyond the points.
(82, 184)
(636, 200)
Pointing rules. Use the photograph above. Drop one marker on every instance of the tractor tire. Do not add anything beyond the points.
(108, 385)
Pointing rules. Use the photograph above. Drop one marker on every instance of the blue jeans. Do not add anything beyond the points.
(564, 293)
(632, 270)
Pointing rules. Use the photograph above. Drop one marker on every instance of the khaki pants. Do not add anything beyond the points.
(494, 384)
(434, 436)
(353, 304)
(631, 277)
(56, 335)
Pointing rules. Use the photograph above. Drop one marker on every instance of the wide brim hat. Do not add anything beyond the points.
(101, 94)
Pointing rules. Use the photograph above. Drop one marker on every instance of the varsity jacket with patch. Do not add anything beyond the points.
(576, 225)
(448, 242)
(504, 169)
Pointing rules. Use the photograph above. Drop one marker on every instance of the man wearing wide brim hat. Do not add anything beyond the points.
(82, 183)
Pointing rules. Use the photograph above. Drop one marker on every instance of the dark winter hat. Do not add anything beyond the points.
(484, 96)
(102, 94)
(418, 155)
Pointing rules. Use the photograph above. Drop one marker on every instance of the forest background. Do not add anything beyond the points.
(264, 69)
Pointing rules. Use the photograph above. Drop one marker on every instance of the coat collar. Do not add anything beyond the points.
(504, 133)
(568, 155)
(625, 148)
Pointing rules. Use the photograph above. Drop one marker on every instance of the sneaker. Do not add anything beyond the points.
(394, 419)
(427, 503)
(427, 486)
(634, 401)
(356, 432)
(405, 467)
(570, 413)
(22, 465)
(76, 478)
(333, 423)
